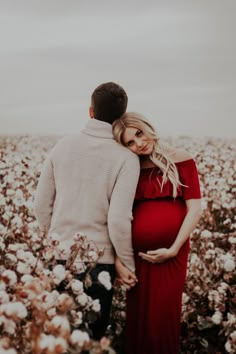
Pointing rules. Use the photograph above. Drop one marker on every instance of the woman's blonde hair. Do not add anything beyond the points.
(158, 156)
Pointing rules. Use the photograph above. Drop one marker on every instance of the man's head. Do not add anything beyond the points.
(108, 102)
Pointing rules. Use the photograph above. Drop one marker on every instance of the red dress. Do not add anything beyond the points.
(154, 304)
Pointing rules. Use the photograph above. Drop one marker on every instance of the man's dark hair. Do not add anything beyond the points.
(109, 102)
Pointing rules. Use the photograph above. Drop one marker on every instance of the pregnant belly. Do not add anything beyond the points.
(156, 223)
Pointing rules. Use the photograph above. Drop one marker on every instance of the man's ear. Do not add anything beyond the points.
(91, 114)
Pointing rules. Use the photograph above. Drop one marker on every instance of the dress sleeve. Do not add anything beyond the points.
(189, 177)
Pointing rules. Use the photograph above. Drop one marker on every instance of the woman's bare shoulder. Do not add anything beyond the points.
(179, 155)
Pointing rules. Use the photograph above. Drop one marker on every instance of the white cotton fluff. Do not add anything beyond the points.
(96, 306)
(79, 338)
(10, 276)
(105, 279)
(59, 274)
(23, 268)
(50, 342)
(82, 299)
(15, 309)
(229, 263)
(7, 351)
(4, 297)
(62, 323)
(217, 317)
(77, 286)
(206, 234)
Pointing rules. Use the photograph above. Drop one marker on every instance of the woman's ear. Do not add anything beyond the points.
(91, 114)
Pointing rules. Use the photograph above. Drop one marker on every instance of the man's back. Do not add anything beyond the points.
(91, 190)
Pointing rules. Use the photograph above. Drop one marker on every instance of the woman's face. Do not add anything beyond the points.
(137, 141)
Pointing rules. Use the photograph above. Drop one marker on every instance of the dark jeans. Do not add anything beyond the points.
(98, 291)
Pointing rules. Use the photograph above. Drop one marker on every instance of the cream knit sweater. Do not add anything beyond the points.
(87, 185)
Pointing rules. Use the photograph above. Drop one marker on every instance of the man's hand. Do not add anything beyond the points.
(158, 256)
(124, 275)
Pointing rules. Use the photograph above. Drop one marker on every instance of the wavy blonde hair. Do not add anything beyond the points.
(158, 156)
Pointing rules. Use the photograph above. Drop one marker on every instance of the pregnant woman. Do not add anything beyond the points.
(167, 208)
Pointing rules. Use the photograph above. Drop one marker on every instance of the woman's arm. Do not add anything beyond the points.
(191, 219)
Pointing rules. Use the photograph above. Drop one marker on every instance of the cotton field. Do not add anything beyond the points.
(44, 309)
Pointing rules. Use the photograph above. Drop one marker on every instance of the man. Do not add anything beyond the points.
(87, 186)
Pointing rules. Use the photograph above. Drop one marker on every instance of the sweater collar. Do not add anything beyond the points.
(99, 129)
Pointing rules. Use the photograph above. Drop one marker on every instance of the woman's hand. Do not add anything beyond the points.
(158, 256)
(189, 223)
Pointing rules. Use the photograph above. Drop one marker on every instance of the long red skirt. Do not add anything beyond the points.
(154, 304)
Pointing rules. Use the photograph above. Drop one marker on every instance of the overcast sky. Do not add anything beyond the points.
(176, 60)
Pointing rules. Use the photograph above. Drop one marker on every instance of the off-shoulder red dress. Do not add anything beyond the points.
(154, 304)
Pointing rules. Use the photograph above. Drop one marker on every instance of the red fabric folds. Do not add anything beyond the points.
(154, 304)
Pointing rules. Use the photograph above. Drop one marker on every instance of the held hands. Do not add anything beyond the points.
(158, 256)
(124, 275)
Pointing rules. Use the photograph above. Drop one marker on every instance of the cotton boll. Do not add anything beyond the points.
(46, 342)
(77, 317)
(10, 192)
(228, 347)
(64, 302)
(3, 231)
(19, 199)
(105, 279)
(9, 325)
(59, 274)
(7, 351)
(10, 258)
(93, 256)
(229, 263)
(79, 267)
(62, 324)
(231, 320)
(60, 345)
(206, 234)
(51, 312)
(217, 317)
(79, 338)
(26, 278)
(29, 258)
(9, 277)
(2, 285)
(185, 298)
(2, 200)
(23, 268)
(96, 306)
(4, 297)
(17, 221)
(14, 309)
(77, 286)
(48, 299)
(82, 299)
(14, 247)
(20, 254)
(2, 246)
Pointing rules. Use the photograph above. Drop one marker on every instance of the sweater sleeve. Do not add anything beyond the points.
(45, 196)
(120, 210)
